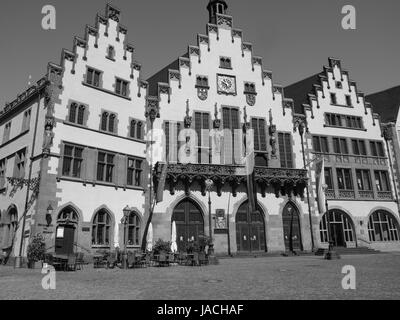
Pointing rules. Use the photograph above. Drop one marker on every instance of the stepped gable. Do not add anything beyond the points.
(90, 41)
(304, 95)
(160, 82)
(386, 103)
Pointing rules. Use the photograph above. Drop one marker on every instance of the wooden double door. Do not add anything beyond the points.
(189, 224)
(291, 228)
(250, 230)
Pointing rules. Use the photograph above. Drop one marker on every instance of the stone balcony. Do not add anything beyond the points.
(359, 195)
(283, 181)
(353, 159)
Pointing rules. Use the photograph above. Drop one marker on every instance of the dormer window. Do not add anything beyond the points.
(111, 53)
(333, 99)
(225, 63)
(339, 85)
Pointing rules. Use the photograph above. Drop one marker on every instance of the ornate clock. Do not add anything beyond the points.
(226, 84)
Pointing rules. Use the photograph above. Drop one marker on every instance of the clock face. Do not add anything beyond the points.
(226, 84)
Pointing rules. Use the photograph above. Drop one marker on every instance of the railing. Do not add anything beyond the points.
(385, 195)
(351, 158)
(359, 195)
(366, 194)
(347, 194)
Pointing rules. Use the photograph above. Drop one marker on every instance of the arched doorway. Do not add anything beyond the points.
(67, 223)
(189, 223)
(341, 229)
(250, 230)
(9, 228)
(291, 227)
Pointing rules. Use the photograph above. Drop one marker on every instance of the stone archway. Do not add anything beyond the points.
(189, 220)
(291, 227)
(250, 229)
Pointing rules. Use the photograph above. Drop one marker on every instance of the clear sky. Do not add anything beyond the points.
(294, 37)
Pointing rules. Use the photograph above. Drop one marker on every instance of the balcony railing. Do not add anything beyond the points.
(359, 195)
(385, 195)
(351, 158)
(281, 179)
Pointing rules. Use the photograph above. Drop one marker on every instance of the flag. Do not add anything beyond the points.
(251, 182)
(250, 170)
(161, 183)
(321, 186)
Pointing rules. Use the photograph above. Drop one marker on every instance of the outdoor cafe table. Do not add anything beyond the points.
(61, 258)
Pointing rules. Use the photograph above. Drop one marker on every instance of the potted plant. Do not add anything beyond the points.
(162, 246)
(36, 252)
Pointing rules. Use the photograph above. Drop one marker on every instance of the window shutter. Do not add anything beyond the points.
(121, 170)
(91, 165)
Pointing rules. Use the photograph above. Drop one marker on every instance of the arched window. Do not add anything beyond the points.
(133, 129)
(111, 123)
(101, 234)
(68, 214)
(133, 229)
(383, 226)
(139, 131)
(81, 114)
(10, 223)
(104, 120)
(72, 112)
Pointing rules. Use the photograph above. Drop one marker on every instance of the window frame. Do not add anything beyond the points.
(106, 166)
(92, 81)
(341, 173)
(106, 229)
(134, 229)
(122, 87)
(74, 161)
(134, 174)
(285, 161)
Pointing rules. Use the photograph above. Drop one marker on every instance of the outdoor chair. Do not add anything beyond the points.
(111, 261)
(195, 259)
(171, 258)
(71, 264)
(203, 260)
(147, 260)
(79, 260)
(162, 260)
(182, 259)
(131, 260)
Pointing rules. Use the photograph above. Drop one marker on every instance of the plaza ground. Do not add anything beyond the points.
(304, 277)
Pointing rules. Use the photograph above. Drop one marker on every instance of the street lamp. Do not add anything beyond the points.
(124, 222)
(209, 186)
(331, 254)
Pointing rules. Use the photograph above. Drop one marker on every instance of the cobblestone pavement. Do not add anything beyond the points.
(311, 277)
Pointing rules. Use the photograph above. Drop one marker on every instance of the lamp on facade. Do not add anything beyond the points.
(49, 215)
(124, 222)
(209, 185)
